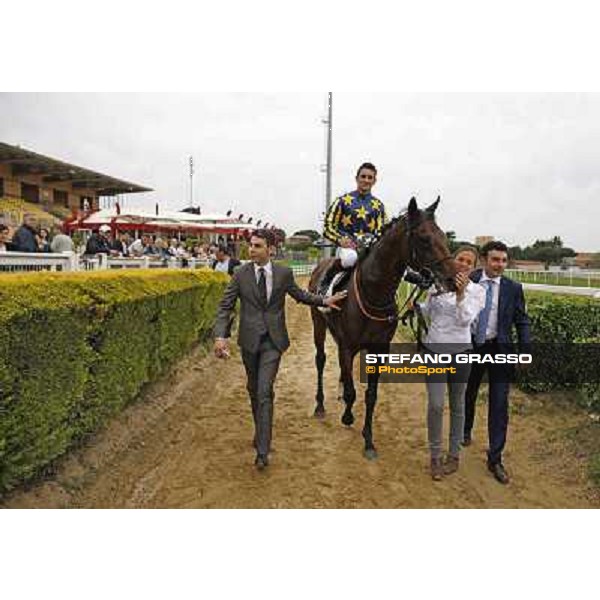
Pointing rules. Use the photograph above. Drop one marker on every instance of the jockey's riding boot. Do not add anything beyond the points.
(332, 271)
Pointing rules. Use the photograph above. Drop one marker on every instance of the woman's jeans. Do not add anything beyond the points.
(456, 384)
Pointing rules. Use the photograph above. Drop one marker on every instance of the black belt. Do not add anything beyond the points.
(491, 342)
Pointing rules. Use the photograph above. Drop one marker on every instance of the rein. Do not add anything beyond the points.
(397, 315)
(391, 318)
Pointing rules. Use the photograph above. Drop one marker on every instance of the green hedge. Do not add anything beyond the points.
(563, 318)
(77, 348)
(570, 320)
(555, 319)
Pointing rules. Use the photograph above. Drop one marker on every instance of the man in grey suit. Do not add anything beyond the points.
(262, 287)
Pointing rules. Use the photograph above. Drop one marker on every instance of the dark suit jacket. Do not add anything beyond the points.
(511, 311)
(97, 245)
(254, 317)
(24, 240)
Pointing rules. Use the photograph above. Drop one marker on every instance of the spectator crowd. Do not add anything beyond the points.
(31, 238)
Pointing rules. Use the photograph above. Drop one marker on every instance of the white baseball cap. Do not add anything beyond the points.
(105, 228)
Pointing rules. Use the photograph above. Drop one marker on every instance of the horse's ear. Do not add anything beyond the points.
(431, 210)
(413, 208)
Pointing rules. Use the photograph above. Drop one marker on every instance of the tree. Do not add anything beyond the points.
(516, 253)
(550, 252)
(280, 236)
(313, 235)
(453, 243)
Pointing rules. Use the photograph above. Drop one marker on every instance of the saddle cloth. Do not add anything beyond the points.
(337, 279)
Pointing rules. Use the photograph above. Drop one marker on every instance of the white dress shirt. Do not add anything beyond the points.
(269, 276)
(492, 328)
(222, 267)
(451, 320)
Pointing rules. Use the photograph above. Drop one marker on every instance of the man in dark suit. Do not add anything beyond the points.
(24, 239)
(504, 308)
(99, 242)
(262, 287)
(224, 263)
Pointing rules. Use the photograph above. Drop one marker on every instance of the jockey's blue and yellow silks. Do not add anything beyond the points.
(354, 216)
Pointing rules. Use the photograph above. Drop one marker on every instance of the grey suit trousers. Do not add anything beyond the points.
(261, 371)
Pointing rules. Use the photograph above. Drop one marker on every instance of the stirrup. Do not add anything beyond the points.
(324, 288)
(329, 292)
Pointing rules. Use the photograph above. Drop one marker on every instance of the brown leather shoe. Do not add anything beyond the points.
(451, 465)
(499, 473)
(261, 462)
(437, 469)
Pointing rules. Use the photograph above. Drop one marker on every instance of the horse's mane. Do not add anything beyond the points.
(386, 228)
(392, 223)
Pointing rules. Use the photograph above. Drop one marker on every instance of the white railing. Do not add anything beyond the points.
(303, 270)
(28, 261)
(19, 262)
(69, 261)
(568, 278)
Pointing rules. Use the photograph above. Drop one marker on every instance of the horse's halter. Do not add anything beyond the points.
(393, 314)
(413, 260)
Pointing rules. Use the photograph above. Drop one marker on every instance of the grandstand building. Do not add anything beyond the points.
(31, 182)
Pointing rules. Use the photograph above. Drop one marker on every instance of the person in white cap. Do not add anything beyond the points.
(99, 243)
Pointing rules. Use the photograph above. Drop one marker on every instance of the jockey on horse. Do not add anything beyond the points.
(351, 220)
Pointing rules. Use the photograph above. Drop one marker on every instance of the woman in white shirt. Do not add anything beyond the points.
(451, 315)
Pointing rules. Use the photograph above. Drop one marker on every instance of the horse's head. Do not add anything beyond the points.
(427, 245)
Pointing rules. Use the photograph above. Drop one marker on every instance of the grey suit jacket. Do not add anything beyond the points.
(256, 319)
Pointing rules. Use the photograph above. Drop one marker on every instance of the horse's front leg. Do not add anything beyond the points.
(346, 358)
(370, 401)
(320, 332)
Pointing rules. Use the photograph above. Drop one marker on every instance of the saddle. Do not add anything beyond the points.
(339, 283)
(340, 280)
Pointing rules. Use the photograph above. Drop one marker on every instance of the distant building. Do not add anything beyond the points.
(584, 260)
(299, 240)
(28, 179)
(527, 265)
(482, 240)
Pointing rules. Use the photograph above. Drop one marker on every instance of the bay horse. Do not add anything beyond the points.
(368, 317)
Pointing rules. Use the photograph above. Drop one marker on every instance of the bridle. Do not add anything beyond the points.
(394, 313)
(413, 261)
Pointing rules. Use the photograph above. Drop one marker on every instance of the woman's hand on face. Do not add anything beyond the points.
(461, 281)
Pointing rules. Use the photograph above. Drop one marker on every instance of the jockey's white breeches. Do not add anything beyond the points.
(348, 257)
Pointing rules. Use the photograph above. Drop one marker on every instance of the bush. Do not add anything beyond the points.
(75, 349)
(568, 319)
(594, 469)
(572, 321)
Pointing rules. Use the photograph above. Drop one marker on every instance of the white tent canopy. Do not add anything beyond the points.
(167, 219)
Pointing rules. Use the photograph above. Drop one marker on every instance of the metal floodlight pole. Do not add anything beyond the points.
(191, 181)
(329, 166)
(329, 151)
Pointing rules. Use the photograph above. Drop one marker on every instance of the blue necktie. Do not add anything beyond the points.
(484, 316)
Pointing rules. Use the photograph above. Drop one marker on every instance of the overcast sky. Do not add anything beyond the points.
(515, 166)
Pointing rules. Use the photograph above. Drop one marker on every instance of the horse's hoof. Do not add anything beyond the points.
(319, 413)
(371, 454)
(348, 420)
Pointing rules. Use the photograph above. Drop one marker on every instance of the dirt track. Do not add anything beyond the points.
(188, 445)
